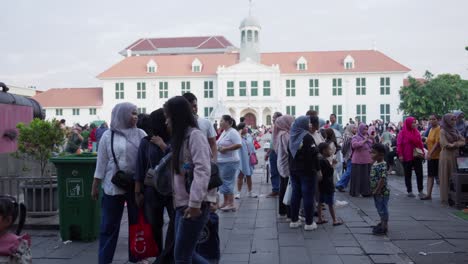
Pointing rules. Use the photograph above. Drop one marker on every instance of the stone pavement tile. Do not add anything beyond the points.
(349, 251)
(248, 225)
(352, 259)
(244, 257)
(44, 246)
(436, 252)
(242, 231)
(237, 247)
(318, 234)
(290, 239)
(245, 220)
(317, 247)
(411, 233)
(332, 230)
(392, 259)
(454, 235)
(264, 257)
(460, 244)
(70, 250)
(325, 259)
(265, 233)
(379, 247)
(267, 245)
(284, 228)
(294, 255)
(364, 237)
(264, 222)
(52, 261)
(360, 230)
(267, 213)
(357, 224)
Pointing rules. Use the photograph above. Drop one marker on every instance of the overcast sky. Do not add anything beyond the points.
(67, 43)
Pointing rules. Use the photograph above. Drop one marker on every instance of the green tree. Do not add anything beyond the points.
(440, 95)
(39, 139)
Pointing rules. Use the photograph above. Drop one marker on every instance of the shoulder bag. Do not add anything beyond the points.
(215, 179)
(120, 179)
(160, 177)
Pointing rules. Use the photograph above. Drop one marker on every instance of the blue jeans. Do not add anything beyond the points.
(187, 233)
(112, 207)
(303, 187)
(344, 180)
(275, 177)
(228, 172)
(381, 203)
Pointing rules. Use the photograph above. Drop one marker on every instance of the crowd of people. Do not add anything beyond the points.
(309, 160)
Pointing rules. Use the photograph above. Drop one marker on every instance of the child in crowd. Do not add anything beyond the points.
(326, 185)
(379, 187)
(13, 247)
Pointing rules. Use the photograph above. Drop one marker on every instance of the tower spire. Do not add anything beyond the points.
(250, 7)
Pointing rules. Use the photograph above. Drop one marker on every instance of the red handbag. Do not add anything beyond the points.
(256, 144)
(142, 243)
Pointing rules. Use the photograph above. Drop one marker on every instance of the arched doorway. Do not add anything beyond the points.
(250, 120)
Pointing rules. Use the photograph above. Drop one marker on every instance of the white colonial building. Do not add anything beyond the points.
(246, 82)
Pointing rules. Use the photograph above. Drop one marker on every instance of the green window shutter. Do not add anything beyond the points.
(387, 107)
(334, 82)
(382, 109)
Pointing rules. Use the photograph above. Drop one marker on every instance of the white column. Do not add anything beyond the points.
(260, 116)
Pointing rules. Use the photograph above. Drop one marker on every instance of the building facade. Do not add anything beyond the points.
(246, 82)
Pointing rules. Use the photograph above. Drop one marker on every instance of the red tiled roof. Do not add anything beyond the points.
(216, 42)
(419, 80)
(70, 97)
(317, 62)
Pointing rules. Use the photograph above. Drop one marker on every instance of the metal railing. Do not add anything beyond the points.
(40, 195)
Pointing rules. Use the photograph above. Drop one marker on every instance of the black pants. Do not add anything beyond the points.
(418, 169)
(283, 209)
(154, 213)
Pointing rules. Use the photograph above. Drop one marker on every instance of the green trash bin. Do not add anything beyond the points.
(79, 214)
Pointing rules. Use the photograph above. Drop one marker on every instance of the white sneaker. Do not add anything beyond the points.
(311, 227)
(237, 196)
(421, 195)
(411, 195)
(253, 195)
(339, 203)
(295, 224)
(302, 218)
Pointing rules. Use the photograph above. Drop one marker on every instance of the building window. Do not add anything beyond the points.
(385, 112)
(337, 86)
(76, 111)
(163, 90)
(151, 66)
(348, 65)
(141, 90)
(92, 111)
(302, 66)
(253, 88)
(243, 36)
(360, 86)
(338, 111)
(242, 88)
(314, 108)
(196, 65)
(291, 110)
(249, 35)
(384, 85)
(266, 88)
(119, 91)
(196, 68)
(151, 69)
(141, 110)
(208, 89)
(290, 88)
(361, 113)
(185, 87)
(256, 36)
(314, 87)
(59, 112)
(208, 111)
(230, 88)
(268, 120)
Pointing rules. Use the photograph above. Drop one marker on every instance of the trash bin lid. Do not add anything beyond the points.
(76, 158)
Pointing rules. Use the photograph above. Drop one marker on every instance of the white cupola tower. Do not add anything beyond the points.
(250, 35)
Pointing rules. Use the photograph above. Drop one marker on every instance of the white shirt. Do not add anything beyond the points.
(228, 138)
(105, 166)
(206, 127)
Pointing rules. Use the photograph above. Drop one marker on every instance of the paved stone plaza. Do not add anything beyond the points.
(419, 232)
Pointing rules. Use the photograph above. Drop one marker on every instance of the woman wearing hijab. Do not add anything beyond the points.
(127, 138)
(191, 152)
(460, 125)
(281, 143)
(361, 163)
(450, 141)
(349, 133)
(304, 164)
(408, 141)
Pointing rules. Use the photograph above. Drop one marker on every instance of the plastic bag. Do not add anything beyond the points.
(142, 243)
(288, 194)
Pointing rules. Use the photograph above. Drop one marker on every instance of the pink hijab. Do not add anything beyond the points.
(281, 129)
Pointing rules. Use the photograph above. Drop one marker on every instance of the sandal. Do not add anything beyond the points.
(338, 223)
(321, 222)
